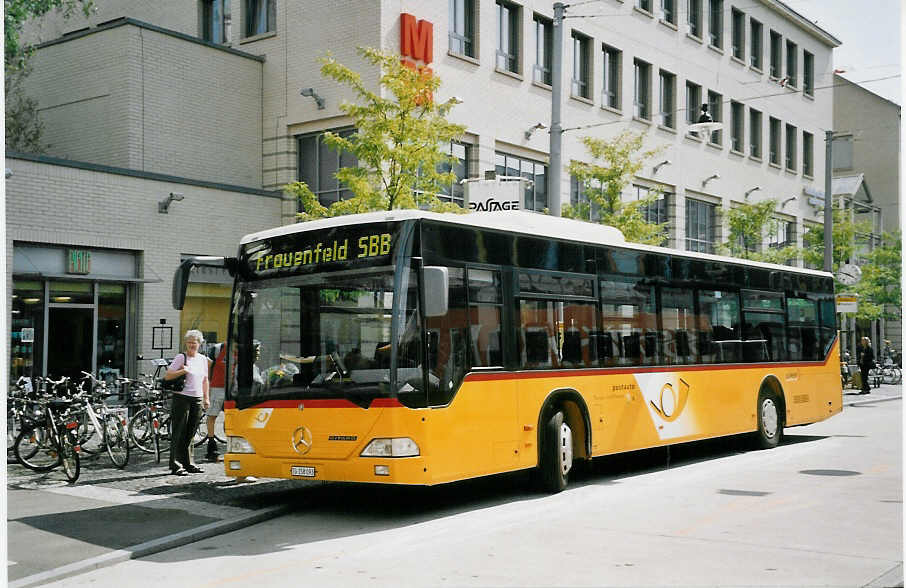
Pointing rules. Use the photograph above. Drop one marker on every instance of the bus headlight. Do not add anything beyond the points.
(239, 445)
(395, 447)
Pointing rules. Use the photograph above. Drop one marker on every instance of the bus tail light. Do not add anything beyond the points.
(239, 445)
(395, 447)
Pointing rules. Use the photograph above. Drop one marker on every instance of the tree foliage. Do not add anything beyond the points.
(845, 236)
(23, 125)
(751, 223)
(398, 141)
(614, 163)
(880, 289)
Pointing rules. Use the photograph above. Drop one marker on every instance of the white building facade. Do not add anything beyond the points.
(207, 96)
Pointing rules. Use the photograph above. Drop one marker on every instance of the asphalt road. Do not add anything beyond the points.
(825, 508)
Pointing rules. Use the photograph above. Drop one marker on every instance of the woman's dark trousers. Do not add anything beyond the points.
(184, 414)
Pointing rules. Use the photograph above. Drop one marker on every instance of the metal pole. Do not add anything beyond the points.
(828, 202)
(556, 134)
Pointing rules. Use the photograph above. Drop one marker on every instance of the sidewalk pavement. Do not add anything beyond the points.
(55, 529)
(884, 392)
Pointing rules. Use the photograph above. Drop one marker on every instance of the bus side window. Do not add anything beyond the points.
(485, 309)
(802, 329)
(447, 343)
(718, 324)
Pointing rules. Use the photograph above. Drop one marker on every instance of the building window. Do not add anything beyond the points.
(755, 50)
(508, 18)
(694, 18)
(655, 212)
(737, 126)
(808, 154)
(260, 17)
(215, 21)
(543, 46)
(462, 27)
(581, 65)
(791, 147)
(808, 73)
(699, 226)
(774, 140)
(460, 168)
(716, 108)
(668, 99)
(668, 8)
(644, 5)
(784, 236)
(738, 20)
(642, 95)
(754, 133)
(535, 196)
(776, 55)
(318, 165)
(716, 23)
(792, 64)
(693, 103)
(610, 94)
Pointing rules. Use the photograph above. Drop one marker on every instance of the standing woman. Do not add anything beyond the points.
(185, 410)
(866, 362)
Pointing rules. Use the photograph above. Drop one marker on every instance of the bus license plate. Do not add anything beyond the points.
(305, 471)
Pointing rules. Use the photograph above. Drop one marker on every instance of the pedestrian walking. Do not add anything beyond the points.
(866, 362)
(186, 407)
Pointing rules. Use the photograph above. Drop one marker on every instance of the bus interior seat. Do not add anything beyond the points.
(537, 346)
(572, 346)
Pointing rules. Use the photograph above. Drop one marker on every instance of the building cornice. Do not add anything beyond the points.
(803, 23)
(122, 171)
(125, 20)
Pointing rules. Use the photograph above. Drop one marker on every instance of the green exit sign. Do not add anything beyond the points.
(78, 261)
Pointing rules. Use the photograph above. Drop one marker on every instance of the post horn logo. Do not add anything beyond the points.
(302, 440)
(671, 403)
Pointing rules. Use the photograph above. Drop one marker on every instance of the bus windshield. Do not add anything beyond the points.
(326, 336)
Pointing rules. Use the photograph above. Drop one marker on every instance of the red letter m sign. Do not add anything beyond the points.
(416, 38)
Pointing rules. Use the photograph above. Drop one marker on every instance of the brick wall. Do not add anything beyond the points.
(133, 97)
(55, 204)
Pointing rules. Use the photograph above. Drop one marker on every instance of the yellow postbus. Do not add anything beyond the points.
(411, 347)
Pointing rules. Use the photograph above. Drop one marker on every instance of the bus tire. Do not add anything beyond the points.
(556, 458)
(770, 421)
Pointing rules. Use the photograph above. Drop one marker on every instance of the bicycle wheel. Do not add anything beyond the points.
(13, 426)
(35, 450)
(116, 441)
(141, 431)
(70, 457)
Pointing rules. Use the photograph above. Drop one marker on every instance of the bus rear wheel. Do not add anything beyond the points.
(770, 421)
(556, 458)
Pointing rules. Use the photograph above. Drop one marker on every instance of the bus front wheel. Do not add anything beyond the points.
(556, 457)
(770, 421)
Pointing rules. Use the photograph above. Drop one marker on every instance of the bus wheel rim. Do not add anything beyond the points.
(769, 418)
(565, 449)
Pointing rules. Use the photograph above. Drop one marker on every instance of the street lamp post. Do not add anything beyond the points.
(828, 202)
(556, 132)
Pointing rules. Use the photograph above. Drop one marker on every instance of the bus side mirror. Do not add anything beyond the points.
(437, 282)
(181, 275)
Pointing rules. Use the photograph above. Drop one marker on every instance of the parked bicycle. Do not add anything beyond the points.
(110, 424)
(149, 427)
(51, 439)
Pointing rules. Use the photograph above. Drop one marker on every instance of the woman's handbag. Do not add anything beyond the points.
(176, 384)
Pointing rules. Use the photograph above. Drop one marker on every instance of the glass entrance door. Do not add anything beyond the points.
(70, 337)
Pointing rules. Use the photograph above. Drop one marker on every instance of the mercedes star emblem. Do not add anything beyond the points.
(301, 440)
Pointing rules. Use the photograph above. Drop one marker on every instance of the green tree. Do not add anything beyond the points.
(23, 126)
(614, 163)
(880, 288)
(749, 224)
(845, 237)
(398, 141)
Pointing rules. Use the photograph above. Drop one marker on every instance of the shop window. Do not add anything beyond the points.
(26, 329)
(111, 331)
(207, 305)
